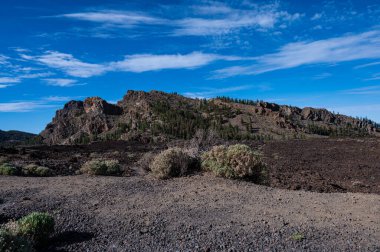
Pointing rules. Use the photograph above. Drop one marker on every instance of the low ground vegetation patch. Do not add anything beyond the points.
(173, 162)
(236, 162)
(105, 167)
(36, 170)
(32, 170)
(26, 234)
(297, 236)
(9, 169)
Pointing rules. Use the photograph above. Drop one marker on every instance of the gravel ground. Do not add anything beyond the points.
(196, 213)
(325, 165)
(318, 165)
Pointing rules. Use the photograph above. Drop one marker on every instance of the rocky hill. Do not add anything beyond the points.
(158, 116)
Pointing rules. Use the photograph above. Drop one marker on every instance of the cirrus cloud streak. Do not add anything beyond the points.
(329, 51)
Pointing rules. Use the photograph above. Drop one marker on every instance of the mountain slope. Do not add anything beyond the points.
(15, 136)
(158, 116)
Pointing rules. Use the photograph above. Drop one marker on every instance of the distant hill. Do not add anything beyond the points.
(14, 136)
(159, 116)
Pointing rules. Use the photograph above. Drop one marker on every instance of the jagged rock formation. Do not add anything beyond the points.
(158, 116)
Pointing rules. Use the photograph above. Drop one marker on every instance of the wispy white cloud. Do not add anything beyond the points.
(59, 82)
(16, 73)
(212, 92)
(316, 16)
(212, 18)
(136, 63)
(259, 18)
(3, 59)
(112, 17)
(9, 80)
(212, 9)
(36, 75)
(347, 48)
(61, 98)
(368, 65)
(369, 90)
(322, 76)
(24, 106)
(377, 77)
(67, 63)
(150, 62)
(38, 104)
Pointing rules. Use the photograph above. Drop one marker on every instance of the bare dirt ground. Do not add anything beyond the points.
(196, 213)
(202, 212)
(319, 165)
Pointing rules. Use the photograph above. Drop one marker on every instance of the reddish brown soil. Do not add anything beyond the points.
(325, 165)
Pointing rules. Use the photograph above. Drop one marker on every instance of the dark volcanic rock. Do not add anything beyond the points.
(99, 106)
(78, 121)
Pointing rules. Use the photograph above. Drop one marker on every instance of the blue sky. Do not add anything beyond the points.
(302, 53)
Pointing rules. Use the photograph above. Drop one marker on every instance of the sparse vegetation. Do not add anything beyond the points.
(172, 162)
(10, 242)
(298, 236)
(37, 227)
(146, 160)
(102, 167)
(30, 231)
(8, 169)
(3, 159)
(36, 170)
(235, 161)
(28, 170)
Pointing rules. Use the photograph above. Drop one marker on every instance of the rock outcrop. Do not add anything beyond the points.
(158, 115)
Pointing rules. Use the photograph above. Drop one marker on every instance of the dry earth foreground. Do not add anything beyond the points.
(333, 203)
(195, 213)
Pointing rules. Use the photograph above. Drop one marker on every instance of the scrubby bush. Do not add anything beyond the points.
(35, 170)
(36, 227)
(235, 161)
(146, 160)
(3, 159)
(28, 233)
(8, 169)
(10, 242)
(101, 167)
(172, 162)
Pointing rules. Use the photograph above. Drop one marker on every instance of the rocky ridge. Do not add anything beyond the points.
(158, 116)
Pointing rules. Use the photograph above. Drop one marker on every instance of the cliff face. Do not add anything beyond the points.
(157, 115)
(78, 120)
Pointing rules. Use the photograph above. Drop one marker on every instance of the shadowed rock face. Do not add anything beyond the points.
(147, 115)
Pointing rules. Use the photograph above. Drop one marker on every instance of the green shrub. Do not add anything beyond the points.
(35, 170)
(172, 162)
(10, 242)
(36, 226)
(235, 161)
(8, 169)
(101, 167)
